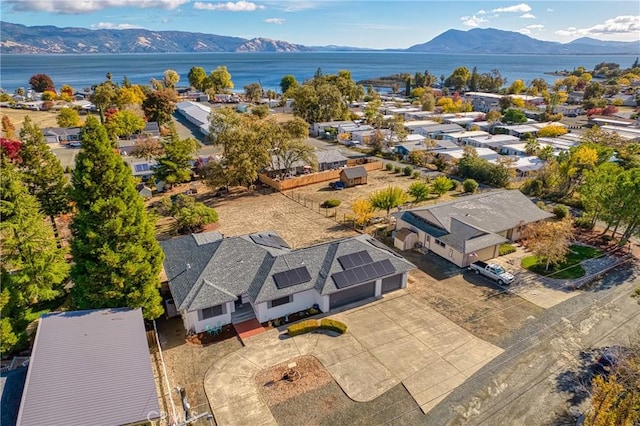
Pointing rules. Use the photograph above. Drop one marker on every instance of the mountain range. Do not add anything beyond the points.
(20, 39)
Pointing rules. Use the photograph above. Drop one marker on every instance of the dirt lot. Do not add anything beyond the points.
(42, 118)
(314, 195)
(242, 212)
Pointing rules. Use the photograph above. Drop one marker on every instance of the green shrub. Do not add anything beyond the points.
(388, 167)
(470, 185)
(68, 169)
(333, 325)
(303, 327)
(561, 211)
(416, 174)
(331, 203)
(541, 205)
(397, 169)
(583, 222)
(506, 249)
(407, 171)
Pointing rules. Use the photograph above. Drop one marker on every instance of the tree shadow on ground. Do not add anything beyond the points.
(576, 382)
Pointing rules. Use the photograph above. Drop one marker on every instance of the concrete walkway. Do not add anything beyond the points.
(395, 339)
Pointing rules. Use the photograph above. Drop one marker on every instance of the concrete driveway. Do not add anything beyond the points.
(395, 339)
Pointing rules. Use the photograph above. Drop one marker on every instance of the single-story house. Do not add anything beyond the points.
(494, 142)
(62, 135)
(603, 120)
(456, 154)
(330, 159)
(457, 137)
(525, 165)
(469, 229)
(144, 191)
(433, 132)
(319, 129)
(629, 134)
(90, 368)
(195, 113)
(352, 176)
(518, 130)
(141, 167)
(216, 280)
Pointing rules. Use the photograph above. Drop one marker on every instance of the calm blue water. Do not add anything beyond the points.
(82, 71)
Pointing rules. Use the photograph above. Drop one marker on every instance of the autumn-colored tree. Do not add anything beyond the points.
(10, 149)
(197, 76)
(132, 95)
(159, 105)
(419, 191)
(362, 211)
(549, 241)
(8, 129)
(147, 147)
(170, 78)
(387, 198)
(552, 131)
(41, 82)
(68, 117)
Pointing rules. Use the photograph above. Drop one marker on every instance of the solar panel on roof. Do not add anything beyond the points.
(363, 273)
(349, 261)
(292, 277)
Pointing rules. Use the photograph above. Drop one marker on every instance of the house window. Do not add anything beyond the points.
(279, 302)
(211, 312)
(142, 167)
(440, 243)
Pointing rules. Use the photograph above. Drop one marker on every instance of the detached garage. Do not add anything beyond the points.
(352, 294)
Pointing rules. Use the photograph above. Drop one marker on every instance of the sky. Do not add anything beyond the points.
(360, 23)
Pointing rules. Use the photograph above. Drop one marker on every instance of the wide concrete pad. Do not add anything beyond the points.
(545, 296)
(253, 412)
(363, 377)
(389, 341)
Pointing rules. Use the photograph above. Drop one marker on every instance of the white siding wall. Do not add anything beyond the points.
(301, 301)
(191, 321)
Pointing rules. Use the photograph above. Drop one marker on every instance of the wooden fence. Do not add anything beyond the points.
(328, 175)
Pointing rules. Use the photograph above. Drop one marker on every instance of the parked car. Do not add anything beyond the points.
(337, 185)
(609, 359)
(493, 271)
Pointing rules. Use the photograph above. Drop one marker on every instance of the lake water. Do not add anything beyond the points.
(82, 71)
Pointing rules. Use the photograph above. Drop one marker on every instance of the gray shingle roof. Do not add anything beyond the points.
(354, 172)
(238, 265)
(330, 156)
(495, 211)
(89, 368)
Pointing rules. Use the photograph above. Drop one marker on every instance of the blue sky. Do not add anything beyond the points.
(370, 23)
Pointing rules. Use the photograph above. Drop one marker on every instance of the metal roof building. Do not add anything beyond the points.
(90, 368)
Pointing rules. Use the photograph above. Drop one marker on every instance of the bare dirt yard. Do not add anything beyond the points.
(314, 195)
(242, 212)
(41, 118)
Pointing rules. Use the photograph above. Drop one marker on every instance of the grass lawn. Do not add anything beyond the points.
(569, 269)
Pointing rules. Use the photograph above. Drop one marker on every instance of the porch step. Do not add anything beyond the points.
(242, 316)
(248, 328)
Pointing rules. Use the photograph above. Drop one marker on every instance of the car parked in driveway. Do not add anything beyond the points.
(337, 185)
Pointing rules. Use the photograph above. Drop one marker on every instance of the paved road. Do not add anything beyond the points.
(540, 377)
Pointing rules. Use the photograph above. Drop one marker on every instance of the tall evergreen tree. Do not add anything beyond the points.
(43, 173)
(117, 259)
(33, 267)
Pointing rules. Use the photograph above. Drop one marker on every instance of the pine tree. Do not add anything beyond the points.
(117, 258)
(43, 173)
(33, 267)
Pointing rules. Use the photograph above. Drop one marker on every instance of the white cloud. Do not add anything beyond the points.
(549, 9)
(88, 6)
(165, 21)
(473, 21)
(518, 8)
(239, 6)
(627, 24)
(528, 16)
(481, 12)
(112, 26)
(278, 21)
(530, 29)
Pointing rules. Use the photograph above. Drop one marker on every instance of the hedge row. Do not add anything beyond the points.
(308, 326)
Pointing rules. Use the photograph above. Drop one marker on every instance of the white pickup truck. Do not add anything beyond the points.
(493, 271)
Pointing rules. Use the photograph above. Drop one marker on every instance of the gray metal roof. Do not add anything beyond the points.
(354, 172)
(89, 368)
(228, 268)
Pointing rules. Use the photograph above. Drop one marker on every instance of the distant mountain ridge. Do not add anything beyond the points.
(20, 39)
(492, 41)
